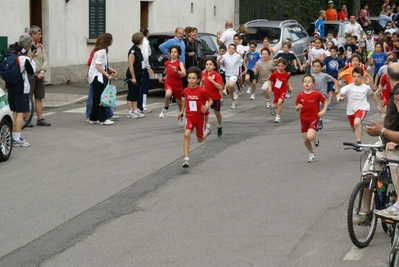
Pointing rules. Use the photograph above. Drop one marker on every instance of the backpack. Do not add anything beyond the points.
(10, 70)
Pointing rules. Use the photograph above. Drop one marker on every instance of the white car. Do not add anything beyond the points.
(6, 124)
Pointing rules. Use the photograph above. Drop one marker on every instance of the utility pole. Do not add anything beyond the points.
(355, 7)
(236, 13)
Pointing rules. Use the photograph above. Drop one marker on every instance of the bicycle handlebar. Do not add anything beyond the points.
(355, 145)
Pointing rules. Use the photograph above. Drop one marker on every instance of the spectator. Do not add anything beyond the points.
(18, 94)
(99, 74)
(343, 13)
(365, 6)
(319, 25)
(37, 84)
(134, 76)
(178, 40)
(384, 17)
(147, 72)
(385, 4)
(353, 28)
(226, 37)
(331, 12)
(363, 19)
(242, 30)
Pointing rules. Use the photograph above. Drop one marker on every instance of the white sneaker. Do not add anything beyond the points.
(163, 113)
(252, 97)
(234, 104)
(181, 121)
(224, 92)
(312, 157)
(277, 120)
(186, 163)
(249, 90)
(114, 117)
(273, 111)
(240, 91)
(145, 111)
(138, 114)
(267, 104)
(235, 95)
(288, 95)
(20, 143)
(132, 115)
(94, 122)
(107, 122)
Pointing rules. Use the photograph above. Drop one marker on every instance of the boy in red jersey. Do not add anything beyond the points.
(196, 102)
(212, 81)
(308, 103)
(174, 70)
(279, 85)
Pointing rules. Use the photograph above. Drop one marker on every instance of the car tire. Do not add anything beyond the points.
(5, 140)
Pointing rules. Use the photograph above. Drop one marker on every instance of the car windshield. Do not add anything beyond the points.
(157, 40)
(259, 33)
(327, 27)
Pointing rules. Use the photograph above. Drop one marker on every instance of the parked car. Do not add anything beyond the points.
(374, 20)
(6, 124)
(157, 60)
(278, 32)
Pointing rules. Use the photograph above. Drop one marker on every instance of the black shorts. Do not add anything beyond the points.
(252, 75)
(18, 102)
(133, 92)
(216, 105)
(223, 74)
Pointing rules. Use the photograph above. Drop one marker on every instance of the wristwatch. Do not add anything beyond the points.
(382, 132)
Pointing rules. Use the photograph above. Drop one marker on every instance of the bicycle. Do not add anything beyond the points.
(374, 191)
(28, 119)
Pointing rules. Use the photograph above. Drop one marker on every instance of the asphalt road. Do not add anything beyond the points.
(90, 195)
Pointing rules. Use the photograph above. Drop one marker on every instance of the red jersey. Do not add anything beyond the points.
(195, 99)
(385, 93)
(173, 79)
(311, 105)
(209, 86)
(280, 81)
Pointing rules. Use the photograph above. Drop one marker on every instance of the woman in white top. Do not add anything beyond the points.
(99, 74)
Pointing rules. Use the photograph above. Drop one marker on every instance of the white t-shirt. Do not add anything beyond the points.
(227, 37)
(22, 60)
(100, 58)
(242, 49)
(357, 29)
(357, 97)
(232, 63)
(317, 53)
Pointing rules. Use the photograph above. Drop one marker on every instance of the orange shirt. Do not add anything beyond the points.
(348, 77)
(331, 14)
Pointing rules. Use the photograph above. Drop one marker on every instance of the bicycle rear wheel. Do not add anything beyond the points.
(362, 222)
(393, 254)
(388, 227)
(28, 117)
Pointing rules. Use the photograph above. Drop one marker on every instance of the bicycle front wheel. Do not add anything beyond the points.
(393, 254)
(362, 222)
(29, 115)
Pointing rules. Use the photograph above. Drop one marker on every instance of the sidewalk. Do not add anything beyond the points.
(63, 95)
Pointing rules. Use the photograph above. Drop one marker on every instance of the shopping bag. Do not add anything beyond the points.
(108, 97)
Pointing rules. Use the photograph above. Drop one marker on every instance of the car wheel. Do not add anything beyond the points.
(5, 140)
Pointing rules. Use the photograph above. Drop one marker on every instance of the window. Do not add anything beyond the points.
(259, 33)
(96, 18)
(286, 35)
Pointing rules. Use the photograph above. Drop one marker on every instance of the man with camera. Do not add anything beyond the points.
(37, 81)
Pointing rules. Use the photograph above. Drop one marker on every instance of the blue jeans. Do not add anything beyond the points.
(145, 86)
(89, 104)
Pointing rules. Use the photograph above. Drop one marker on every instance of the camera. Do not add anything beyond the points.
(33, 48)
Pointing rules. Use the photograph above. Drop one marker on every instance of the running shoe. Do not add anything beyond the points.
(94, 122)
(132, 115)
(273, 111)
(139, 114)
(235, 95)
(312, 157)
(186, 163)
(288, 95)
(267, 104)
(114, 117)
(224, 92)
(240, 91)
(320, 125)
(329, 107)
(163, 113)
(20, 143)
(277, 120)
(107, 122)
(316, 140)
(249, 90)
(42, 122)
(391, 213)
(219, 131)
(181, 121)
(234, 104)
(252, 97)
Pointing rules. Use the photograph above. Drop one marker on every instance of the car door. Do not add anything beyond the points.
(209, 48)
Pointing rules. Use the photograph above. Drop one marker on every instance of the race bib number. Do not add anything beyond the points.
(193, 105)
(278, 84)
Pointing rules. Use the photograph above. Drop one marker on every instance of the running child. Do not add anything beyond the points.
(196, 101)
(385, 86)
(213, 83)
(263, 69)
(333, 63)
(222, 69)
(358, 106)
(308, 104)
(279, 85)
(232, 63)
(378, 59)
(347, 74)
(173, 85)
(266, 44)
(251, 57)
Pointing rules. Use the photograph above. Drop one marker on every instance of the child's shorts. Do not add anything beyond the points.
(305, 125)
(361, 114)
(265, 85)
(198, 122)
(233, 78)
(278, 94)
(330, 87)
(177, 92)
(252, 75)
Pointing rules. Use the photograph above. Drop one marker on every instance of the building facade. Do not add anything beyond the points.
(69, 27)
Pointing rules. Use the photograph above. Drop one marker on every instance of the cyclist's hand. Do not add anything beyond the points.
(390, 146)
(374, 129)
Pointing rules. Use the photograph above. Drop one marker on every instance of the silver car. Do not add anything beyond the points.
(6, 124)
(278, 32)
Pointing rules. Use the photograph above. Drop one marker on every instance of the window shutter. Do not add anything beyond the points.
(96, 18)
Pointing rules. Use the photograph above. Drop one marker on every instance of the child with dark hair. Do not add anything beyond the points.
(251, 57)
(333, 63)
(196, 102)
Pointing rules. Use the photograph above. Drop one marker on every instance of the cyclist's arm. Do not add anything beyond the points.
(30, 67)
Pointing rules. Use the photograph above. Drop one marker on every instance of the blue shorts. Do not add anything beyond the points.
(330, 87)
(18, 102)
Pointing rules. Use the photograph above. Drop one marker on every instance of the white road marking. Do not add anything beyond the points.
(355, 254)
(48, 114)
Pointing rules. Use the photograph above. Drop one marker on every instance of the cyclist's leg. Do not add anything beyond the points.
(394, 170)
